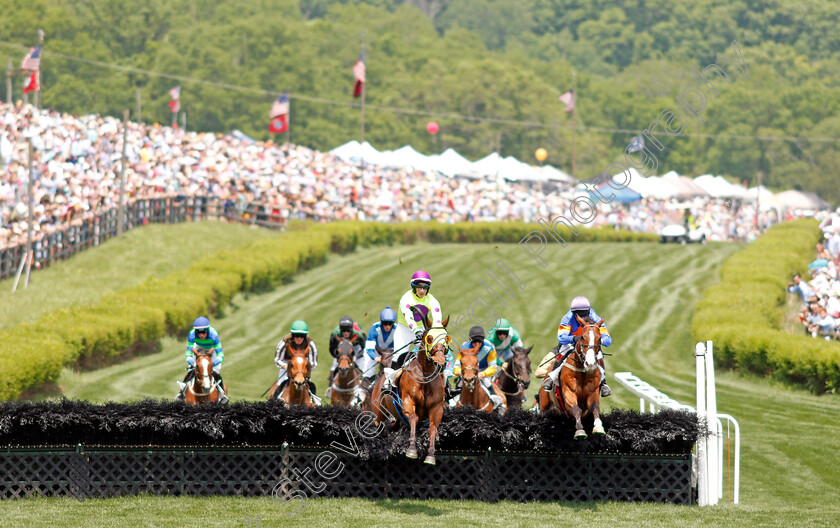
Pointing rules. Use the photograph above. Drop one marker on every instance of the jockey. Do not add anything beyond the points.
(486, 359)
(346, 329)
(568, 326)
(504, 337)
(297, 339)
(204, 337)
(380, 339)
(409, 329)
(391, 374)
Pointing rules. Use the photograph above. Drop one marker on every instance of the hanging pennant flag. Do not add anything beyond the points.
(359, 74)
(636, 144)
(175, 103)
(32, 61)
(279, 115)
(31, 83)
(568, 99)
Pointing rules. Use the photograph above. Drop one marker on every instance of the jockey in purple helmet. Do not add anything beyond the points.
(408, 328)
(568, 326)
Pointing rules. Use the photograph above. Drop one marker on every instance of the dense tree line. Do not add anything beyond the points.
(504, 59)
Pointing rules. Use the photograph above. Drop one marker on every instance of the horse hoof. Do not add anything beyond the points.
(599, 431)
(411, 453)
(429, 460)
(580, 435)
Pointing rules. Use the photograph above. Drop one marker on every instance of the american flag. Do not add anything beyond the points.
(280, 106)
(359, 74)
(32, 61)
(568, 99)
(175, 103)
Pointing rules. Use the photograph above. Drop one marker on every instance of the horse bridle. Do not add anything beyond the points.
(580, 350)
(213, 387)
(354, 367)
(515, 377)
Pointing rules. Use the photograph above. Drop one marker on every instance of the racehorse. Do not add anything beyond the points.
(347, 375)
(295, 391)
(472, 391)
(578, 390)
(420, 388)
(514, 378)
(203, 388)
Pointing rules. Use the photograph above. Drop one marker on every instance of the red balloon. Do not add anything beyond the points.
(432, 127)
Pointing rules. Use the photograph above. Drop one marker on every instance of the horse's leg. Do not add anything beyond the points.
(435, 416)
(594, 404)
(571, 400)
(409, 411)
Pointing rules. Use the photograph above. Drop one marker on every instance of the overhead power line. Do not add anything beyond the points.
(409, 111)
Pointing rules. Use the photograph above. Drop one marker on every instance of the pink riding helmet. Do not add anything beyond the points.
(580, 303)
(421, 277)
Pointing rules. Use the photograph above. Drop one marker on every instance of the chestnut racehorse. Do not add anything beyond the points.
(515, 377)
(296, 391)
(580, 380)
(203, 388)
(421, 388)
(472, 392)
(347, 375)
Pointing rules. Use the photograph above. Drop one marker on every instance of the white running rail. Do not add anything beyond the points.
(710, 452)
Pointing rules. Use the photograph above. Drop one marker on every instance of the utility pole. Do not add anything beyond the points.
(364, 91)
(124, 162)
(30, 232)
(574, 125)
(289, 120)
(9, 70)
(139, 106)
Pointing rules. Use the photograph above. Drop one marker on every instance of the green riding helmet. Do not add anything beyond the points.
(300, 328)
(502, 325)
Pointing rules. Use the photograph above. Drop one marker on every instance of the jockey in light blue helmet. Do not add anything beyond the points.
(204, 337)
(379, 346)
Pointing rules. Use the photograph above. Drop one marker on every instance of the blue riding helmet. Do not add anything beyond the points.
(201, 323)
(388, 315)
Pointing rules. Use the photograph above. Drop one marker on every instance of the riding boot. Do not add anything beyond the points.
(328, 392)
(221, 386)
(390, 379)
(361, 392)
(183, 384)
(605, 389)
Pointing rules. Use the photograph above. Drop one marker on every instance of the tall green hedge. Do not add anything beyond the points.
(743, 314)
(34, 353)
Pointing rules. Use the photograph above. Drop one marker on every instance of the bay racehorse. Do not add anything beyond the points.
(472, 391)
(295, 391)
(578, 389)
(347, 375)
(515, 377)
(420, 388)
(204, 387)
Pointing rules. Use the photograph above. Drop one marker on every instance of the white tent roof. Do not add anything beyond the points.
(547, 172)
(347, 151)
(453, 164)
(764, 195)
(799, 200)
(718, 187)
(683, 187)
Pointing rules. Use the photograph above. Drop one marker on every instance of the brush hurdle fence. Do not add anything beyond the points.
(707, 469)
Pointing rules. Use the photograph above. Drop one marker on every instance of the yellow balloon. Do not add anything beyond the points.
(541, 154)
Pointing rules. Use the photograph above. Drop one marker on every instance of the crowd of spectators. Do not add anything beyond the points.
(77, 163)
(820, 296)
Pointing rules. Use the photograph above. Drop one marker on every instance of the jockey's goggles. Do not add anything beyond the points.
(502, 332)
(201, 330)
(299, 335)
(387, 323)
(423, 285)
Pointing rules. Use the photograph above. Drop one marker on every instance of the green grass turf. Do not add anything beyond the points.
(154, 250)
(646, 292)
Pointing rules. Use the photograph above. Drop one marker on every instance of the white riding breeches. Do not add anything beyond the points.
(403, 339)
